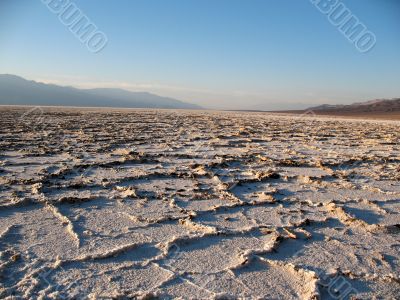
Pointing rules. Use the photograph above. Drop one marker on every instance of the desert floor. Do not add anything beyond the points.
(197, 205)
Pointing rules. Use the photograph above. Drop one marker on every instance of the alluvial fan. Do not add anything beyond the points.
(197, 205)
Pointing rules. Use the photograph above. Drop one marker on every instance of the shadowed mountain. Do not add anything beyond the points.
(15, 90)
(386, 109)
(373, 106)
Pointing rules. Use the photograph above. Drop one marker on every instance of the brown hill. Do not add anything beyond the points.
(374, 106)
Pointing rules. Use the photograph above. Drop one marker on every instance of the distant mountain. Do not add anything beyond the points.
(373, 106)
(15, 90)
(325, 107)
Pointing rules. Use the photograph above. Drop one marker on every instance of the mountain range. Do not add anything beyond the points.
(372, 106)
(15, 90)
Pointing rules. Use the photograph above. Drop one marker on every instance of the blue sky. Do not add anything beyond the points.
(233, 54)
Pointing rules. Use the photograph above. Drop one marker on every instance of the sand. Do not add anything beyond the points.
(101, 204)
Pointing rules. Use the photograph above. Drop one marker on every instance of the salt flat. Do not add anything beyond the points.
(197, 205)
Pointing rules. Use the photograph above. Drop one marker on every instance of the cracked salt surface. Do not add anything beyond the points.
(197, 205)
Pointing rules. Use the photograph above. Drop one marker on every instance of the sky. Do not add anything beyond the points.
(221, 54)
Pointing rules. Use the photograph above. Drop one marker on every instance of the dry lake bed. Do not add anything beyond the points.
(102, 204)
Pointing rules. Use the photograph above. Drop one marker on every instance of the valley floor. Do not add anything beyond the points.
(197, 205)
